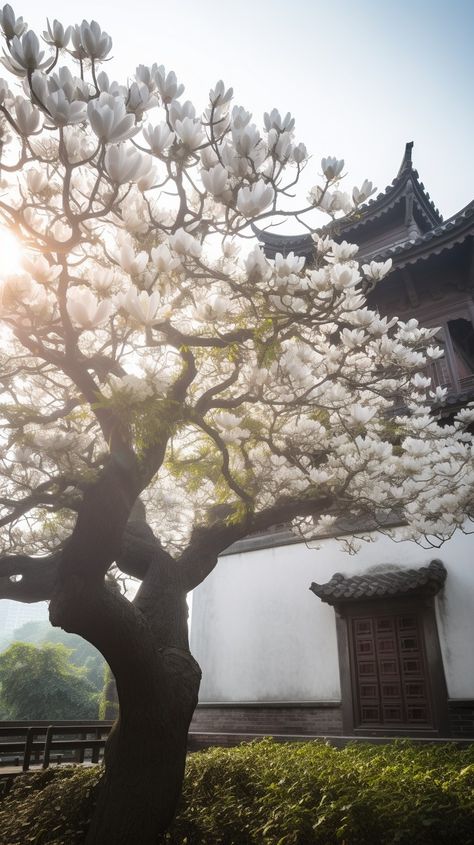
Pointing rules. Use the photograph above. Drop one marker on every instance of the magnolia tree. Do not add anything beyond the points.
(166, 389)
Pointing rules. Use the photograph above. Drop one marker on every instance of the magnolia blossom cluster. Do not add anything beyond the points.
(139, 313)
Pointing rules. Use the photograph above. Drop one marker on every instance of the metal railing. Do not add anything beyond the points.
(26, 744)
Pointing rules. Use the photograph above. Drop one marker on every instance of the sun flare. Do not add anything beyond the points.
(10, 254)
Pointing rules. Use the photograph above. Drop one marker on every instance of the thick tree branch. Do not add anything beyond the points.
(207, 542)
(28, 579)
(97, 537)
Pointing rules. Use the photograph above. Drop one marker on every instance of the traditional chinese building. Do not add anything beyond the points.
(381, 643)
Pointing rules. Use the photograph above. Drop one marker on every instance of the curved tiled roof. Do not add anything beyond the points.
(439, 236)
(444, 236)
(375, 207)
(425, 581)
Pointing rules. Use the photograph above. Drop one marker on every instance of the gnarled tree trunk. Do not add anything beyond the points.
(145, 643)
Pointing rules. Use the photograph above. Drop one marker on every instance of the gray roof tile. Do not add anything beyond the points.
(425, 581)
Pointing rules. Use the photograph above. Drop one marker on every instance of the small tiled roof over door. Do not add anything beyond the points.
(425, 581)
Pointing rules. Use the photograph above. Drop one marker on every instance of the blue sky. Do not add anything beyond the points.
(361, 78)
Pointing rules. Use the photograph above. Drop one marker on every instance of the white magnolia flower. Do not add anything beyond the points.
(434, 352)
(167, 85)
(11, 25)
(163, 260)
(140, 99)
(332, 167)
(56, 35)
(439, 394)
(254, 199)
(240, 117)
(22, 454)
(353, 338)
(25, 55)
(215, 179)
(145, 308)
(377, 270)
(133, 387)
(321, 198)
(62, 111)
(274, 120)
(238, 165)
(25, 302)
(189, 132)
(323, 245)
(208, 157)
(109, 86)
(325, 523)
(320, 476)
(341, 252)
(36, 181)
(61, 80)
(257, 267)
(40, 269)
(361, 415)
(103, 280)
(343, 276)
(135, 214)
(109, 119)
(126, 164)
(465, 415)
(299, 153)
(279, 145)
(89, 41)
(320, 280)
(291, 263)
(85, 310)
(178, 111)
(182, 243)
(340, 201)
(54, 441)
(215, 309)
(227, 420)
(146, 74)
(28, 117)
(219, 95)
(247, 141)
(230, 430)
(420, 382)
(5, 93)
(230, 249)
(363, 193)
(158, 138)
(61, 231)
(417, 448)
(131, 262)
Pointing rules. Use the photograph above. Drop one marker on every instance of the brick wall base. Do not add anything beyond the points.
(324, 718)
(461, 718)
(307, 719)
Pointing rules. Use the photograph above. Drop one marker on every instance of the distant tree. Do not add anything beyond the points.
(42, 683)
(82, 653)
(108, 701)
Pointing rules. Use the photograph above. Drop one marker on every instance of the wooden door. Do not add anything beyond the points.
(389, 671)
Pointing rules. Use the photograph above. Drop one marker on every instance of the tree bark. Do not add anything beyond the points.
(146, 755)
(146, 646)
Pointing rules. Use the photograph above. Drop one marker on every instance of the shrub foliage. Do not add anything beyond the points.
(269, 794)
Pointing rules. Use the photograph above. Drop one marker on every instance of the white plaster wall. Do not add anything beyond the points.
(261, 635)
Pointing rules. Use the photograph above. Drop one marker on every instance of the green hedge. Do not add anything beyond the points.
(269, 794)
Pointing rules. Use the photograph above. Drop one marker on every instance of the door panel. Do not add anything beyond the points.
(389, 671)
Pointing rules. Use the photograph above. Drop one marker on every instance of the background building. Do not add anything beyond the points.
(382, 643)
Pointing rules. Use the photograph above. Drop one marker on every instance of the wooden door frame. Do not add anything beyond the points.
(424, 609)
